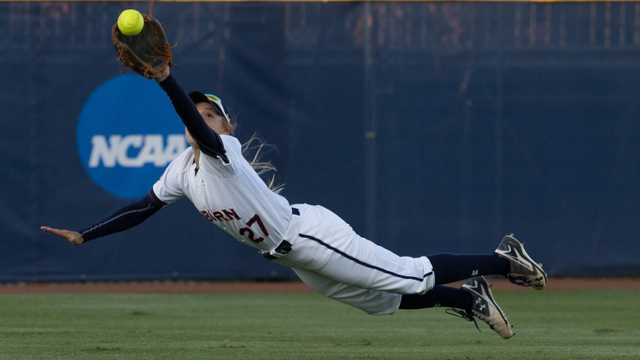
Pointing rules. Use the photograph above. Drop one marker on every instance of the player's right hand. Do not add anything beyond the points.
(73, 237)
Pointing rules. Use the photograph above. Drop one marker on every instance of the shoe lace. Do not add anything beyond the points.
(463, 314)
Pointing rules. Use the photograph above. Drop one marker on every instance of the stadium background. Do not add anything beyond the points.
(428, 126)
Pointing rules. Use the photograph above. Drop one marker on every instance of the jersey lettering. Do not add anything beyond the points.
(222, 215)
(231, 214)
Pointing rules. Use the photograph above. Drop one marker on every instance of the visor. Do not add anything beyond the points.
(198, 97)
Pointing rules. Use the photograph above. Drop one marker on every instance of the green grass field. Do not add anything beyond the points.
(548, 325)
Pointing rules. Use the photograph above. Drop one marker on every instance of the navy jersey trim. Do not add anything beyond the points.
(155, 200)
(360, 262)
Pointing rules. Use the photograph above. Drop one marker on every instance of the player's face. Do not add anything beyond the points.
(215, 121)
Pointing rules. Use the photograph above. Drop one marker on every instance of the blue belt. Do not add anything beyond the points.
(284, 247)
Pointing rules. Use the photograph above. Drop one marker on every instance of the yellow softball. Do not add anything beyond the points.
(130, 22)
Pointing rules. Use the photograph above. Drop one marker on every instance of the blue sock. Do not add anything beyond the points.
(450, 268)
(438, 296)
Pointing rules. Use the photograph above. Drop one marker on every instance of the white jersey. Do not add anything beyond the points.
(326, 253)
(232, 195)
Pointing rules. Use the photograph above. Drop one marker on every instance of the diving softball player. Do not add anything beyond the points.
(321, 248)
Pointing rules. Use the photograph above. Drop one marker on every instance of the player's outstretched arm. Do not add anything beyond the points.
(209, 142)
(123, 219)
(73, 237)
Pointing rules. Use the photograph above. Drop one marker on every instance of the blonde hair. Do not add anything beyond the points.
(254, 150)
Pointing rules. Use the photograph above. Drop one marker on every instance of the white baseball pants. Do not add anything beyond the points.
(333, 260)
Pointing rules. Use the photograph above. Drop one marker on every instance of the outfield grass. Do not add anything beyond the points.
(548, 325)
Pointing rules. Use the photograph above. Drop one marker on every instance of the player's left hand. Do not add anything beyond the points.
(162, 75)
(73, 237)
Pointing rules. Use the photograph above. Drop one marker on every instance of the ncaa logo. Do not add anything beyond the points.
(128, 132)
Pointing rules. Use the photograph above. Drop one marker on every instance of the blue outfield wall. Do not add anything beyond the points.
(428, 126)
